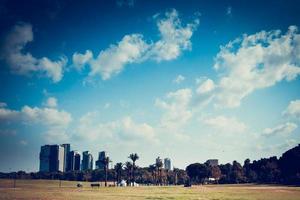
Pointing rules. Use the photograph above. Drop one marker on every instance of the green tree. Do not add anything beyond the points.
(152, 169)
(128, 169)
(105, 162)
(134, 157)
(159, 165)
(197, 172)
(118, 169)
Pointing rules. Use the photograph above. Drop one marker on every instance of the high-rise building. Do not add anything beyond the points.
(167, 164)
(212, 162)
(87, 160)
(52, 158)
(74, 157)
(67, 166)
(99, 163)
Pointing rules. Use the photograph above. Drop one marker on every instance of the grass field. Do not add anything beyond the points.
(48, 189)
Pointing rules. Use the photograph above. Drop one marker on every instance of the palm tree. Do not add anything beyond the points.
(118, 169)
(152, 169)
(159, 165)
(134, 157)
(128, 168)
(105, 163)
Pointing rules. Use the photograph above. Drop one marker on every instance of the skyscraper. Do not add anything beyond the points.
(87, 160)
(52, 158)
(101, 157)
(167, 164)
(74, 160)
(67, 148)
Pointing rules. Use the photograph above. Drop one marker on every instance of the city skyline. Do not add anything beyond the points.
(60, 158)
(187, 81)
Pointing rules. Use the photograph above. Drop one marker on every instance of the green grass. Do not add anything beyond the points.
(48, 189)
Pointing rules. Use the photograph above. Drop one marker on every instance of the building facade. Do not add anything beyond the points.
(99, 163)
(52, 158)
(167, 164)
(87, 161)
(74, 157)
(67, 148)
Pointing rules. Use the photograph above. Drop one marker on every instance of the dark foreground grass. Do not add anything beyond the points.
(47, 189)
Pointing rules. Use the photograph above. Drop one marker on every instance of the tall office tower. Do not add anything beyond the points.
(61, 158)
(51, 158)
(67, 166)
(101, 157)
(77, 162)
(167, 164)
(87, 160)
(74, 160)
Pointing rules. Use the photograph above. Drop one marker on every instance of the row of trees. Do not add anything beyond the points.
(285, 170)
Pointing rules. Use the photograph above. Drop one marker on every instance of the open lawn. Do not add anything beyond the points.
(48, 189)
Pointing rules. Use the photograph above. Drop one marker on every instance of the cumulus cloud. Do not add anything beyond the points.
(48, 116)
(206, 87)
(112, 60)
(12, 52)
(2, 104)
(179, 79)
(282, 129)
(225, 124)
(52, 119)
(174, 38)
(176, 112)
(255, 62)
(124, 129)
(51, 102)
(293, 109)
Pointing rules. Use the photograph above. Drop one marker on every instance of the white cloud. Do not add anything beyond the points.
(47, 116)
(2, 104)
(51, 102)
(12, 52)
(53, 120)
(179, 79)
(23, 142)
(225, 124)
(229, 10)
(174, 38)
(125, 129)
(255, 62)
(7, 114)
(282, 129)
(80, 60)
(112, 60)
(107, 105)
(205, 87)
(293, 109)
(176, 108)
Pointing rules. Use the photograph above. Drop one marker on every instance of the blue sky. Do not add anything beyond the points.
(187, 80)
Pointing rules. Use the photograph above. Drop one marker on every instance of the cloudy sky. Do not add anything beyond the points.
(186, 80)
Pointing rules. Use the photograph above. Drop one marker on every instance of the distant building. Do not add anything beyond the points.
(212, 162)
(52, 158)
(67, 165)
(74, 161)
(87, 161)
(99, 163)
(167, 164)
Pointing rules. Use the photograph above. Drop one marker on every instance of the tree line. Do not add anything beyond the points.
(285, 170)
